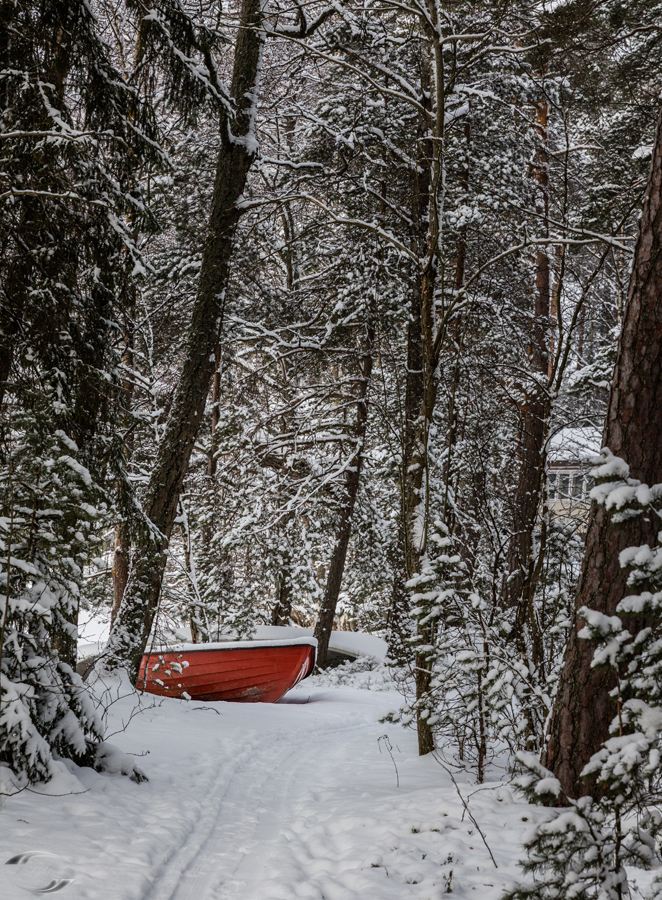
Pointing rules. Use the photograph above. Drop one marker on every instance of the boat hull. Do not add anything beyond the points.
(246, 671)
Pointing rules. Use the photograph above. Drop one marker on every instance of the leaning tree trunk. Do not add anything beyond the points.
(633, 430)
(237, 152)
(324, 624)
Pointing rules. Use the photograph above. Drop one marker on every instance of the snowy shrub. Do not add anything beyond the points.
(45, 539)
(365, 673)
(479, 693)
(449, 665)
(109, 759)
(577, 853)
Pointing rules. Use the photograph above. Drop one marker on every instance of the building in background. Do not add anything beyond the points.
(568, 466)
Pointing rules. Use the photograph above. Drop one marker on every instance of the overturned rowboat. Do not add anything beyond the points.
(247, 671)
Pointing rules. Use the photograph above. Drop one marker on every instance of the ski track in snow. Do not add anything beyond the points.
(270, 802)
(228, 850)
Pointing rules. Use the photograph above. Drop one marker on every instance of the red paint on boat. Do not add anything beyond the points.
(248, 671)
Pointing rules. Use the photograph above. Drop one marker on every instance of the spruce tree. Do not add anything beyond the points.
(71, 129)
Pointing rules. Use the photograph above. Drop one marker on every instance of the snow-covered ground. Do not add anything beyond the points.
(298, 799)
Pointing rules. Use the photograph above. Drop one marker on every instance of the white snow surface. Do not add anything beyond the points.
(574, 445)
(298, 799)
(359, 644)
(355, 642)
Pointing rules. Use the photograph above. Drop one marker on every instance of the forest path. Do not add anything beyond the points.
(313, 798)
(259, 796)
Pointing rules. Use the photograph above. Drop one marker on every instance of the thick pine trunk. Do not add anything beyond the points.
(633, 430)
(324, 624)
(236, 154)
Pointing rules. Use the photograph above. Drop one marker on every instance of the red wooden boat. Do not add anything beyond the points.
(249, 671)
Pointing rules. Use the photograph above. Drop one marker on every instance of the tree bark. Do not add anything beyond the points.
(121, 553)
(197, 618)
(122, 547)
(327, 613)
(417, 385)
(282, 611)
(237, 152)
(422, 359)
(215, 412)
(519, 560)
(583, 708)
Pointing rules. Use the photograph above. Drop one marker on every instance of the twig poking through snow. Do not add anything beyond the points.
(387, 744)
(468, 811)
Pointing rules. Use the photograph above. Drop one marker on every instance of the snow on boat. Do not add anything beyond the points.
(249, 671)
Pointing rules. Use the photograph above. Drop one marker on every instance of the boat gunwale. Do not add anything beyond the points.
(233, 645)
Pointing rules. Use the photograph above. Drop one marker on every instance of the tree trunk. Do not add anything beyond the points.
(236, 154)
(519, 560)
(282, 611)
(121, 553)
(197, 617)
(418, 375)
(398, 620)
(324, 624)
(583, 708)
(122, 548)
(215, 411)
(421, 385)
(5, 367)
(458, 330)
(418, 508)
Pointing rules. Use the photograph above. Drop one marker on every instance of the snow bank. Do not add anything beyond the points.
(359, 644)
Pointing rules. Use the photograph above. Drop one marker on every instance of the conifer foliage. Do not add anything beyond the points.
(68, 125)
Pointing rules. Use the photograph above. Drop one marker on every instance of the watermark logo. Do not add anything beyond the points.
(41, 872)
